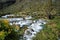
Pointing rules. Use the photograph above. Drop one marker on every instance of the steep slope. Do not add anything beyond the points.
(30, 7)
(24, 5)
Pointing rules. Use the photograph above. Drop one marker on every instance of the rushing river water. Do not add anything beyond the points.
(34, 26)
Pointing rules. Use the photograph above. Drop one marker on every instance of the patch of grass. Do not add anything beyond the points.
(50, 31)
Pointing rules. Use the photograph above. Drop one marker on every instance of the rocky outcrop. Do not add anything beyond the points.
(6, 3)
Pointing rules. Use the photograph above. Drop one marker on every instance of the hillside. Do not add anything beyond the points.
(31, 7)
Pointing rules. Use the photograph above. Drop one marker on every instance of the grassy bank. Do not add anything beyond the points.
(50, 31)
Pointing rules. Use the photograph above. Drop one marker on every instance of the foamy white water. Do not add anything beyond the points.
(34, 26)
(33, 29)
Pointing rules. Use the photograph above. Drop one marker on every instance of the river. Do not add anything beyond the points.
(34, 26)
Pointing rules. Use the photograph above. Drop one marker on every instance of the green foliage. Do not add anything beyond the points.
(10, 32)
(2, 35)
(50, 31)
(7, 32)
